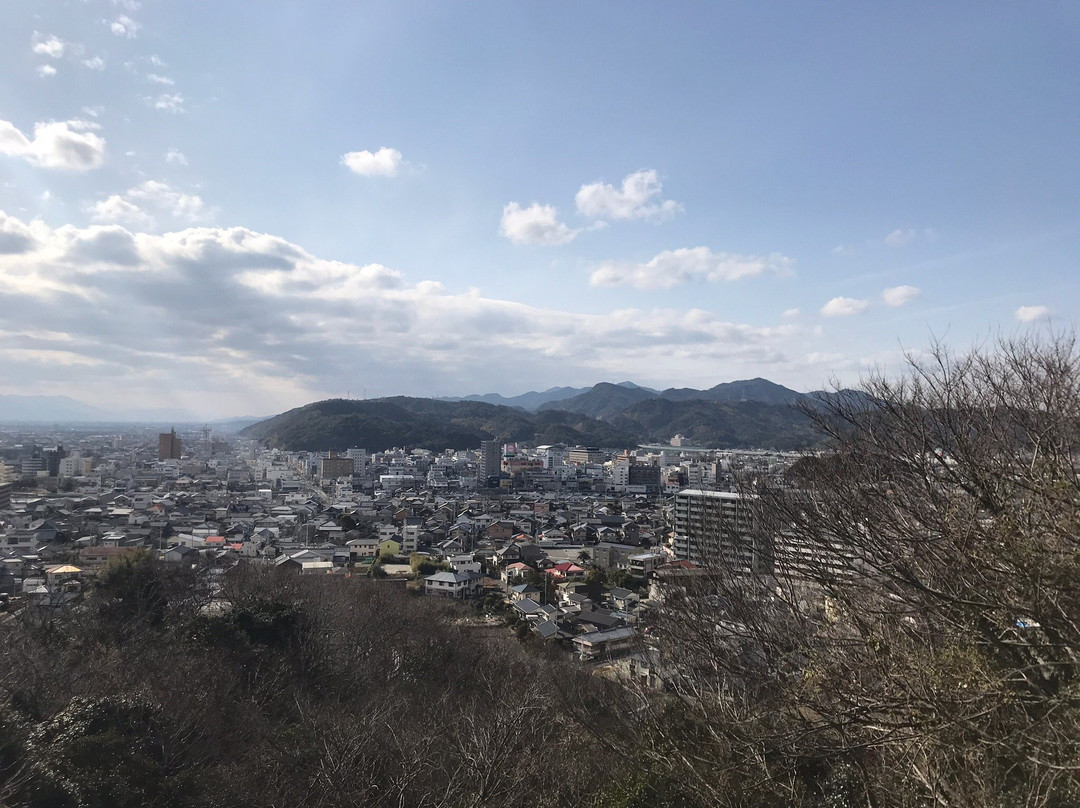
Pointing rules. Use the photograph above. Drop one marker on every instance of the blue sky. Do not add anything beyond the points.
(234, 207)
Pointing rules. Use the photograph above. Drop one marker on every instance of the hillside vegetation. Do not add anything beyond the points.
(627, 417)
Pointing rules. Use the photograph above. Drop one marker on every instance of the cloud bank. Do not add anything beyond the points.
(216, 318)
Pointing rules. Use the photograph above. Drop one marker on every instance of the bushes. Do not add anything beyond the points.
(305, 691)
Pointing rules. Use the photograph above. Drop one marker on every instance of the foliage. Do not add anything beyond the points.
(424, 565)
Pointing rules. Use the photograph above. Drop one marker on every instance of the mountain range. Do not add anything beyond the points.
(754, 413)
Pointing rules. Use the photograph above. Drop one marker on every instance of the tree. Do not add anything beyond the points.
(136, 585)
(918, 641)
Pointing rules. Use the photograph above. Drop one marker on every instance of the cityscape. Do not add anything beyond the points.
(484, 404)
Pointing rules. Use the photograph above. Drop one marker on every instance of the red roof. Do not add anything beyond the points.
(568, 566)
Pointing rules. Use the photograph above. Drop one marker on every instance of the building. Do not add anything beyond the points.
(630, 476)
(490, 460)
(584, 455)
(75, 466)
(716, 528)
(459, 585)
(359, 458)
(334, 466)
(52, 458)
(168, 446)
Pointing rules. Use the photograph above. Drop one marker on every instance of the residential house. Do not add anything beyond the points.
(458, 585)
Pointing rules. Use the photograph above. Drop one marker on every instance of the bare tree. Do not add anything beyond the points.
(918, 640)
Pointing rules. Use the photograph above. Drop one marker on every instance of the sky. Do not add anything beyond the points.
(235, 208)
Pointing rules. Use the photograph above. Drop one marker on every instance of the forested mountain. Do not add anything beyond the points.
(741, 425)
(428, 423)
(760, 390)
(604, 400)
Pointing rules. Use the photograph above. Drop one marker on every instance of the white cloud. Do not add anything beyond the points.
(1028, 314)
(842, 249)
(142, 308)
(46, 71)
(94, 63)
(790, 313)
(178, 204)
(898, 238)
(118, 210)
(147, 203)
(674, 267)
(536, 224)
(125, 26)
(17, 237)
(128, 5)
(176, 157)
(66, 145)
(636, 199)
(154, 78)
(386, 162)
(53, 47)
(157, 61)
(844, 306)
(899, 295)
(169, 102)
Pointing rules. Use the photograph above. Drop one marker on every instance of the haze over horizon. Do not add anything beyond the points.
(229, 209)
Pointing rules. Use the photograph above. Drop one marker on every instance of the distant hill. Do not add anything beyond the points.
(604, 400)
(534, 400)
(40, 409)
(64, 409)
(378, 424)
(527, 401)
(761, 390)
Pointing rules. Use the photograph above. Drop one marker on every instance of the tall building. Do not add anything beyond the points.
(168, 446)
(716, 528)
(490, 460)
(359, 458)
(52, 458)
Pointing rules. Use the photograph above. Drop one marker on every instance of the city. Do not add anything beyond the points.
(518, 528)
(572, 405)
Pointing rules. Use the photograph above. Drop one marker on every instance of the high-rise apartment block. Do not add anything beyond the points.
(168, 446)
(490, 459)
(716, 528)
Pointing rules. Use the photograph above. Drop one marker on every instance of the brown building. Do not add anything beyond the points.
(168, 446)
(334, 466)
